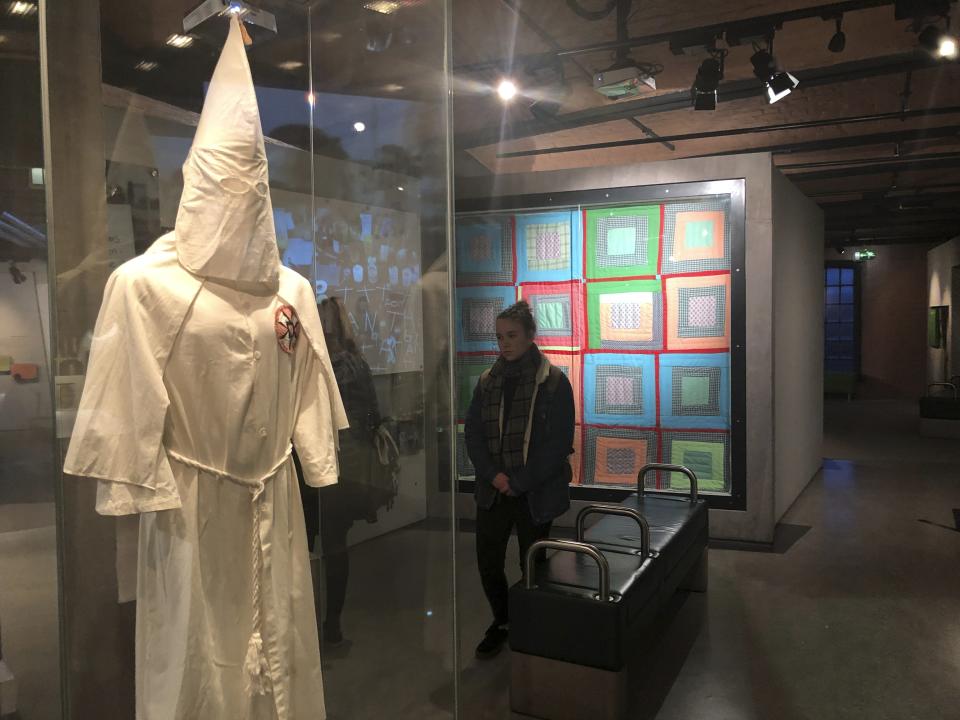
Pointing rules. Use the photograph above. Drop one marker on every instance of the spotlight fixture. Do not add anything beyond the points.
(359, 127)
(19, 7)
(507, 90)
(180, 41)
(839, 40)
(146, 66)
(779, 83)
(704, 90)
(938, 42)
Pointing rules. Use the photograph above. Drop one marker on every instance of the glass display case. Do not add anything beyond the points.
(353, 104)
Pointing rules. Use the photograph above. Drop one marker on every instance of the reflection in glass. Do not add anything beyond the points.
(29, 640)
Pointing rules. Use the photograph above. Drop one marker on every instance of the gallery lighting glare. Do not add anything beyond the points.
(19, 7)
(384, 7)
(948, 47)
(180, 41)
(146, 66)
(290, 65)
(507, 90)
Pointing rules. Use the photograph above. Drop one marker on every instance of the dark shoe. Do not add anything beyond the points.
(492, 643)
(332, 636)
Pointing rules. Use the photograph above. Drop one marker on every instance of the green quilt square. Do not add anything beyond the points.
(619, 245)
(698, 234)
(705, 459)
(694, 390)
(550, 316)
(468, 376)
(622, 241)
(596, 290)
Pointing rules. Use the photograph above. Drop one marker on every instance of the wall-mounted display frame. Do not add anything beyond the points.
(639, 294)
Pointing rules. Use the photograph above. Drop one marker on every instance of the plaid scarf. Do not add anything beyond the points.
(508, 445)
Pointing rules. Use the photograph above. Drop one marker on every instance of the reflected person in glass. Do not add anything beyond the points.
(355, 495)
(519, 435)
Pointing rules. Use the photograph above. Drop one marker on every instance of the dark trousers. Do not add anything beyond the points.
(494, 527)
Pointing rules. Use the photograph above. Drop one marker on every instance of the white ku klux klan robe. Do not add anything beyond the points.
(208, 360)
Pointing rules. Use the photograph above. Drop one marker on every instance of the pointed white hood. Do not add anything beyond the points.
(224, 227)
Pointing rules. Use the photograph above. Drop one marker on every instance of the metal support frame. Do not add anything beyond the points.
(709, 134)
(668, 467)
(573, 547)
(622, 512)
(727, 92)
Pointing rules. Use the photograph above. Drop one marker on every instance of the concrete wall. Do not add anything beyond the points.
(940, 263)
(797, 341)
(757, 522)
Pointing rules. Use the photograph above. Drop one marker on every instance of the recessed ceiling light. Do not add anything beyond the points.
(290, 65)
(393, 87)
(384, 7)
(19, 7)
(507, 90)
(948, 47)
(400, 188)
(146, 66)
(359, 126)
(180, 41)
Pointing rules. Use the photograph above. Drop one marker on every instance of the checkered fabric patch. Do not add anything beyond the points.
(484, 250)
(548, 246)
(479, 318)
(552, 313)
(702, 312)
(696, 391)
(696, 235)
(707, 454)
(622, 461)
(614, 456)
(619, 390)
(469, 370)
(628, 321)
(622, 241)
(480, 248)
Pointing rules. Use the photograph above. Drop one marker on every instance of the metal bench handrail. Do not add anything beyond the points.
(694, 494)
(621, 511)
(572, 547)
(949, 385)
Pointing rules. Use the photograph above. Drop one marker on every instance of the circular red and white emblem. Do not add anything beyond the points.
(287, 326)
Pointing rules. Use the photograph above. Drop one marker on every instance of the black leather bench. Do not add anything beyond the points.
(586, 610)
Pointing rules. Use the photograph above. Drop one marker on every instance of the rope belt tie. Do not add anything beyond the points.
(255, 665)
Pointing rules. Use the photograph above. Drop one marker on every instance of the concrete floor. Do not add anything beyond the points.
(855, 614)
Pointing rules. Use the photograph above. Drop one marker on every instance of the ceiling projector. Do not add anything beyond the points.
(623, 82)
